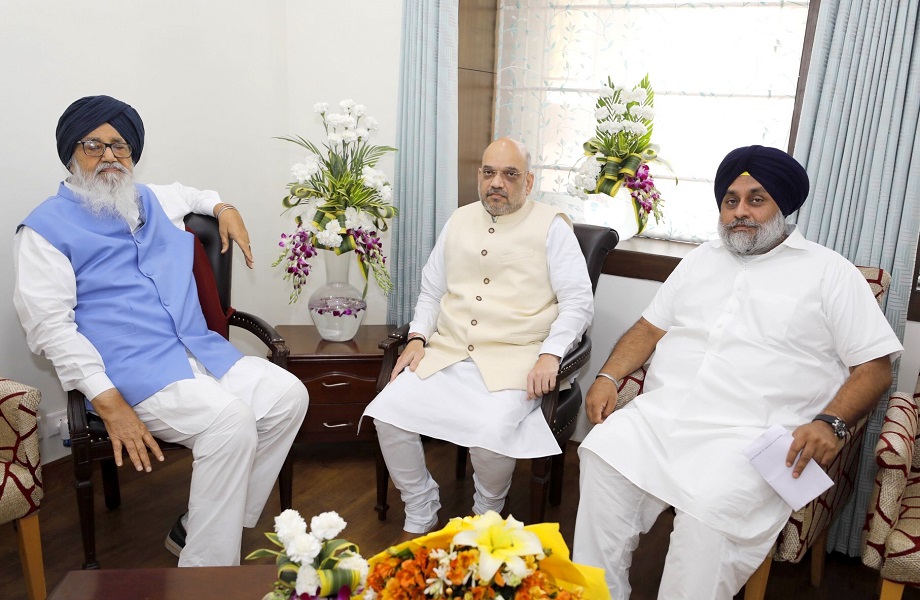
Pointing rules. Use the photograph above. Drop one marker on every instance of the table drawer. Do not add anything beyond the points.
(335, 423)
(339, 387)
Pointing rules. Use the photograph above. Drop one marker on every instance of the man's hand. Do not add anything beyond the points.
(542, 378)
(601, 400)
(126, 430)
(410, 357)
(813, 440)
(232, 228)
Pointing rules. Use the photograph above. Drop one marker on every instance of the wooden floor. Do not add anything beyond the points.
(340, 478)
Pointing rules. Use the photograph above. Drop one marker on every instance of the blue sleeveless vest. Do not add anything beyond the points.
(137, 301)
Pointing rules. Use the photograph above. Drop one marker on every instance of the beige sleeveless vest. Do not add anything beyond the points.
(499, 304)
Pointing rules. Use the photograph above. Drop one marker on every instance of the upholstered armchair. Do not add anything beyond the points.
(21, 477)
(807, 527)
(560, 407)
(891, 536)
(90, 443)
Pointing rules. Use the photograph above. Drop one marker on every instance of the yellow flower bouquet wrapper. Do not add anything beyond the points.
(580, 581)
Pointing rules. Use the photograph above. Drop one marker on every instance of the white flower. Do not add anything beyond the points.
(355, 562)
(386, 193)
(611, 127)
(606, 91)
(371, 123)
(636, 128)
(352, 218)
(288, 525)
(327, 525)
(374, 178)
(637, 95)
(349, 136)
(601, 113)
(347, 104)
(321, 107)
(370, 594)
(617, 109)
(303, 548)
(307, 580)
(358, 110)
(363, 133)
(330, 237)
(335, 139)
(302, 172)
(643, 112)
(340, 121)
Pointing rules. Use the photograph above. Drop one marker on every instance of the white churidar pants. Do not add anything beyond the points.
(239, 428)
(701, 563)
(405, 458)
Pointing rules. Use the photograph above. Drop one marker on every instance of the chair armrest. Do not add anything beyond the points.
(390, 347)
(575, 359)
(631, 386)
(266, 333)
(895, 447)
(19, 408)
(894, 454)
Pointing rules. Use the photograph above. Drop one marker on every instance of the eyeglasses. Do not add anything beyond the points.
(509, 175)
(96, 148)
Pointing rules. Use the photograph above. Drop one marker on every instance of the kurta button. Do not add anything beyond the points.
(474, 322)
(479, 298)
(470, 347)
(491, 230)
(486, 281)
(484, 252)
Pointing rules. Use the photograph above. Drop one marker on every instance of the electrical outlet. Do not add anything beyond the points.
(48, 426)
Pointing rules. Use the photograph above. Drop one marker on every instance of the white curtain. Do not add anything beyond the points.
(858, 141)
(426, 165)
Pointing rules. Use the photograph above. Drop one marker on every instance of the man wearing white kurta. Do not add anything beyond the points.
(505, 293)
(104, 289)
(760, 328)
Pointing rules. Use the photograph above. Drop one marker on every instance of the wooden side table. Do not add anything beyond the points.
(341, 379)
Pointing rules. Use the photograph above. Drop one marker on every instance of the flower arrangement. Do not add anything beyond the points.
(621, 149)
(313, 564)
(340, 201)
(483, 557)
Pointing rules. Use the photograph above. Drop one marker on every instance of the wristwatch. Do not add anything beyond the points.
(839, 425)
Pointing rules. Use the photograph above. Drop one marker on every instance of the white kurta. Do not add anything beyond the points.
(454, 404)
(749, 344)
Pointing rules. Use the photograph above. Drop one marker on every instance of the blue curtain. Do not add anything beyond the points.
(425, 182)
(858, 141)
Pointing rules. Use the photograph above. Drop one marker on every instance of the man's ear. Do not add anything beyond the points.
(528, 183)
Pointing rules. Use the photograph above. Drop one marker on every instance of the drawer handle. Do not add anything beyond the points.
(340, 384)
(337, 425)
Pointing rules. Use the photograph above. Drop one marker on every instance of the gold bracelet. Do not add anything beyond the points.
(610, 377)
(222, 209)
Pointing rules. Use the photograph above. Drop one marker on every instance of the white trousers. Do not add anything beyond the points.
(240, 428)
(701, 563)
(405, 458)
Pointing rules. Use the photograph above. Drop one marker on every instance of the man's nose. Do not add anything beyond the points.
(108, 152)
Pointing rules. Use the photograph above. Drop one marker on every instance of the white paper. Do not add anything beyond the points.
(768, 455)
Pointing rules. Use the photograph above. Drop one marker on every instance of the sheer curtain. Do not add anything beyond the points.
(858, 140)
(724, 78)
(425, 181)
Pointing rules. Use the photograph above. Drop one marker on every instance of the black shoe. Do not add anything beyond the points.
(175, 539)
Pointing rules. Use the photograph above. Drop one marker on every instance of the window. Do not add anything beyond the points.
(724, 75)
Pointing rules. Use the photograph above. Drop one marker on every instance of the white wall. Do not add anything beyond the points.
(214, 82)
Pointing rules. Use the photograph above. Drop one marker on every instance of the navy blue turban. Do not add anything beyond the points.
(86, 114)
(781, 175)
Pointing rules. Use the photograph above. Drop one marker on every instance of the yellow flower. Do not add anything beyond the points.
(499, 542)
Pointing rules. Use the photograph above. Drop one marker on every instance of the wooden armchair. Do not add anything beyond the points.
(560, 407)
(807, 527)
(88, 438)
(21, 477)
(891, 536)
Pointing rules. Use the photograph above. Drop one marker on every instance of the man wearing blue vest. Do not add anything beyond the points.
(104, 288)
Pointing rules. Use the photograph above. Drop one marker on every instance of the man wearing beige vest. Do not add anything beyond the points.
(505, 293)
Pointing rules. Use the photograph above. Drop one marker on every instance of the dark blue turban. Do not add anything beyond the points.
(781, 175)
(86, 114)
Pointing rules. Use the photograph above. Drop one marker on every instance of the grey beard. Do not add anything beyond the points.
(764, 238)
(106, 195)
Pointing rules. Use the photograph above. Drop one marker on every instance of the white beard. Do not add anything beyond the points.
(106, 194)
(764, 238)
